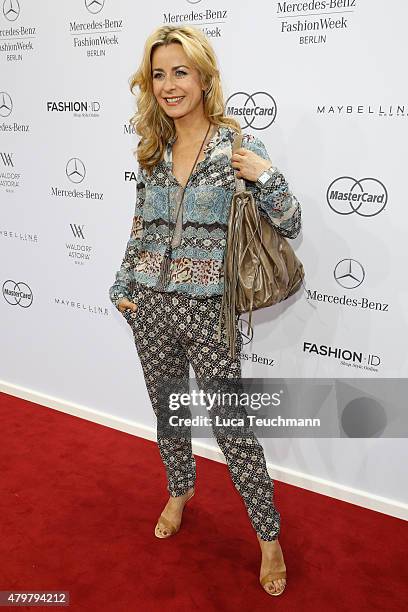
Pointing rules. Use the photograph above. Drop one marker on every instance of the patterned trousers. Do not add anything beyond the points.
(172, 331)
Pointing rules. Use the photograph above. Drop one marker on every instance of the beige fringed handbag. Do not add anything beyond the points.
(260, 266)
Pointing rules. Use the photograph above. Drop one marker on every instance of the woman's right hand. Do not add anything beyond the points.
(125, 304)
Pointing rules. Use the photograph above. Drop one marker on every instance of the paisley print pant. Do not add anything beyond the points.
(172, 331)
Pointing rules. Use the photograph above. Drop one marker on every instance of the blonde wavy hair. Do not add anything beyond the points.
(150, 122)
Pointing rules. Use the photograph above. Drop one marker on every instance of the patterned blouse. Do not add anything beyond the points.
(197, 263)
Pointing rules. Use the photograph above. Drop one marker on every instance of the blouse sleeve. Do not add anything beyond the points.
(124, 277)
(275, 200)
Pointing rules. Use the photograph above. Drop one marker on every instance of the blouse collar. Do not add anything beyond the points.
(217, 137)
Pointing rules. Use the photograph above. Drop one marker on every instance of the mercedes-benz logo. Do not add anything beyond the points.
(75, 170)
(367, 197)
(6, 104)
(11, 9)
(245, 335)
(17, 294)
(258, 110)
(349, 273)
(94, 6)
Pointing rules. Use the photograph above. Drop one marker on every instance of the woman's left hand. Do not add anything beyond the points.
(248, 164)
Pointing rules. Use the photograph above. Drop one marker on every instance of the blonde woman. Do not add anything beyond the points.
(170, 283)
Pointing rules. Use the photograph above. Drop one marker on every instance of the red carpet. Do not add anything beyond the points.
(79, 502)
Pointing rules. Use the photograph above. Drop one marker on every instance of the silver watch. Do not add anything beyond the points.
(265, 176)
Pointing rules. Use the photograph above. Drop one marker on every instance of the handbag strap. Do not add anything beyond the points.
(239, 182)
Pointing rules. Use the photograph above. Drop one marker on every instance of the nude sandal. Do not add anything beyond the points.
(168, 525)
(270, 577)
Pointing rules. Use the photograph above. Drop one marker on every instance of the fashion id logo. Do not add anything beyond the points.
(78, 108)
(347, 357)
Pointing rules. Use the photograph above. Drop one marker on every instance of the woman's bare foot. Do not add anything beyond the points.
(173, 512)
(272, 561)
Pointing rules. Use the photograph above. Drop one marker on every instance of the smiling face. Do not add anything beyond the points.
(176, 83)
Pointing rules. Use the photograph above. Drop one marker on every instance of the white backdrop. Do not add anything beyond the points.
(328, 79)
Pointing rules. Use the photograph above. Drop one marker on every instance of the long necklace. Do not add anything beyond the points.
(164, 275)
